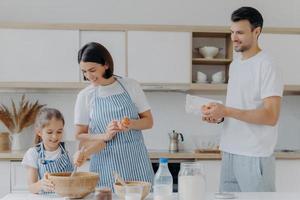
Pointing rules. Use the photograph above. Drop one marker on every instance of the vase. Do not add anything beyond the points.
(16, 144)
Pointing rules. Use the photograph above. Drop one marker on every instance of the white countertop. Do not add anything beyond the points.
(239, 196)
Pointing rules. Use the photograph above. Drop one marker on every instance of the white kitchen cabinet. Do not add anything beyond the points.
(284, 48)
(5, 178)
(287, 175)
(18, 179)
(38, 55)
(114, 41)
(159, 57)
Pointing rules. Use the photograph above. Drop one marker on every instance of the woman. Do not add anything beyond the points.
(99, 111)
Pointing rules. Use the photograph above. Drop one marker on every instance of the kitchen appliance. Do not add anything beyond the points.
(174, 141)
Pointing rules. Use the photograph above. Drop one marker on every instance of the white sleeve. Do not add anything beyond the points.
(271, 81)
(138, 96)
(81, 111)
(30, 158)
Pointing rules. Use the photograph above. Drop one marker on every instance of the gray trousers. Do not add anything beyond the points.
(247, 174)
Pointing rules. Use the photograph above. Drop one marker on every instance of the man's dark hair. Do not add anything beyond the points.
(248, 13)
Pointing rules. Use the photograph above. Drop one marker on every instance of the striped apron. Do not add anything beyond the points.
(126, 153)
(61, 164)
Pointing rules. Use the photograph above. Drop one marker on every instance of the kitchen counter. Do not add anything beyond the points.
(156, 154)
(239, 196)
(191, 155)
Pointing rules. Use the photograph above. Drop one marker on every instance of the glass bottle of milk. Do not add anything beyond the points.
(191, 181)
(163, 182)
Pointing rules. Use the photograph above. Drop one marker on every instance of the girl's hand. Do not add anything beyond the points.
(124, 124)
(46, 184)
(111, 131)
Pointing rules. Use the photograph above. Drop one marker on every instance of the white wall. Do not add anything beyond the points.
(169, 114)
(278, 13)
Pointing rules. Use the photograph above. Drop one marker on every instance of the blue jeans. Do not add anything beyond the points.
(247, 174)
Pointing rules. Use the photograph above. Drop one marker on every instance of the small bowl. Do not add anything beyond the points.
(209, 51)
(120, 189)
(218, 77)
(77, 186)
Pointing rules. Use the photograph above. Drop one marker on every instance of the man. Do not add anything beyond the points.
(251, 113)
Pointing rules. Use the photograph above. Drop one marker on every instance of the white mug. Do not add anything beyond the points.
(201, 77)
(218, 77)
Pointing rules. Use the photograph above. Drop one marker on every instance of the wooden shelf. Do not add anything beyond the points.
(81, 85)
(214, 61)
(42, 85)
(292, 88)
(165, 86)
(145, 86)
(208, 87)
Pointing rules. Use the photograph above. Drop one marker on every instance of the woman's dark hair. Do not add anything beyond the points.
(248, 13)
(97, 53)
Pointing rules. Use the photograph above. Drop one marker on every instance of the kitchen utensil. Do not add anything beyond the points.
(75, 167)
(77, 186)
(120, 189)
(174, 140)
(119, 179)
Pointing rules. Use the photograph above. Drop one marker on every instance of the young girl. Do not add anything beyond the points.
(49, 155)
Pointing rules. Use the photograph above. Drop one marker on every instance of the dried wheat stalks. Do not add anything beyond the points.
(17, 120)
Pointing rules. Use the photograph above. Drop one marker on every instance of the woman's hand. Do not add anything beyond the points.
(111, 131)
(79, 158)
(46, 184)
(124, 124)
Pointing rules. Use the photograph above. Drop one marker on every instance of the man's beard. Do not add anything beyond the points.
(242, 49)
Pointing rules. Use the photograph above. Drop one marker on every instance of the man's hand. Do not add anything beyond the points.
(213, 112)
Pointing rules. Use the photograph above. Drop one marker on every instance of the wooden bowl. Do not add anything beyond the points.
(120, 189)
(77, 186)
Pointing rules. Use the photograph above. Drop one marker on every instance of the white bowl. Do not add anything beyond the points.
(201, 77)
(218, 77)
(209, 51)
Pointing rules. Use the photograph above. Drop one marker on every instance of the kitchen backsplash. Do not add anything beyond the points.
(169, 114)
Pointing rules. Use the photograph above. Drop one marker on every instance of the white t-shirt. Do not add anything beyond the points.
(250, 81)
(31, 156)
(85, 98)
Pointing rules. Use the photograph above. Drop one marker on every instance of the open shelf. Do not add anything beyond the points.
(214, 61)
(208, 87)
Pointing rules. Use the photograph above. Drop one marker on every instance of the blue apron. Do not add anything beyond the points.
(61, 164)
(126, 153)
